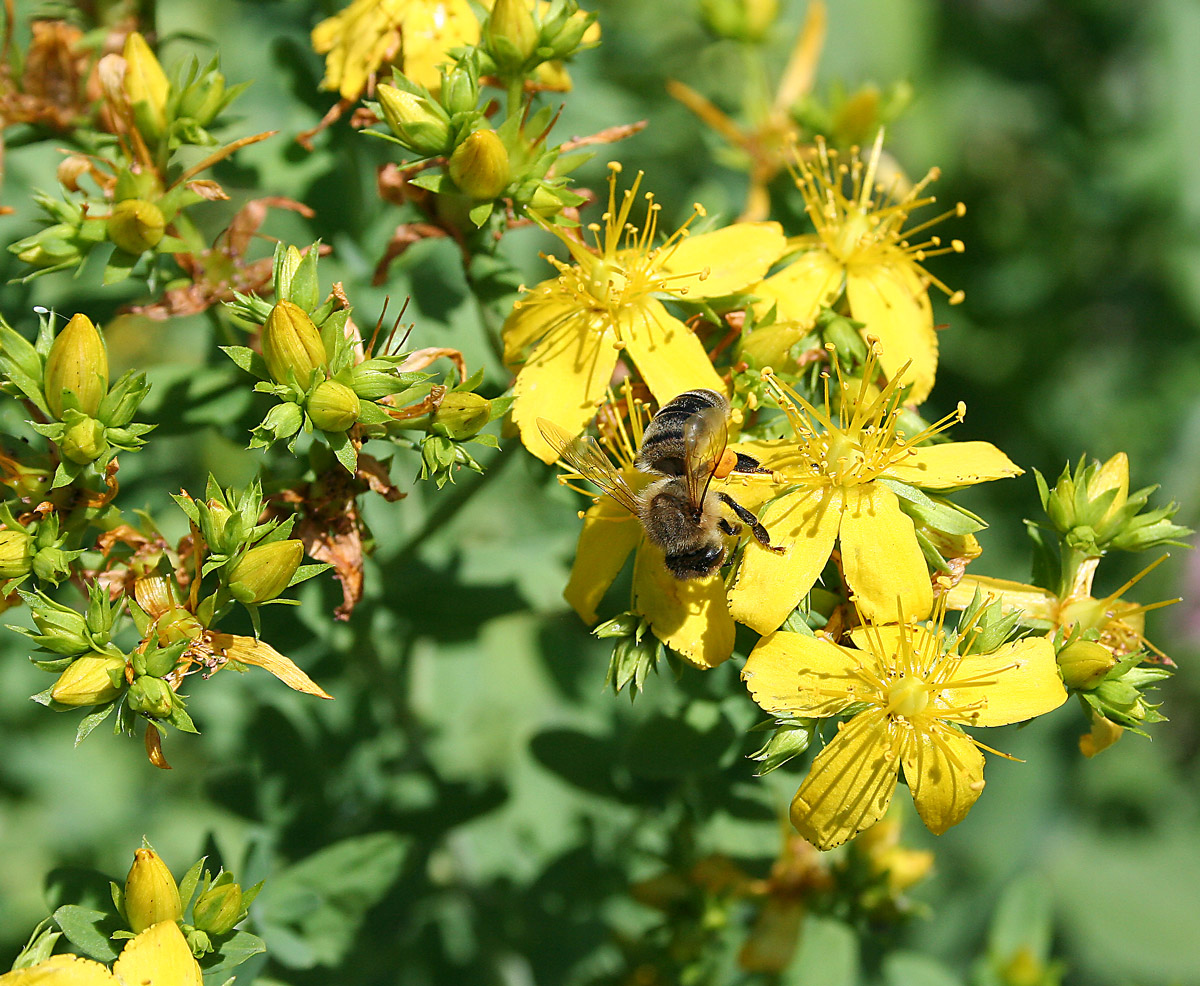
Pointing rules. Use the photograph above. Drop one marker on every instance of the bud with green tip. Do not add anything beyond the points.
(461, 415)
(1084, 664)
(150, 696)
(419, 122)
(90, 680)
(136, 225)
(479, 165)
(511, 34)
(219, 908)
(333, 406)
(78, 364)
(264, 571)
(151, 894)
(290, 341)
(83, 441)
(16, 553)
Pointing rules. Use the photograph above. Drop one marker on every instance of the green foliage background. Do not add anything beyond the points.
(473, 805)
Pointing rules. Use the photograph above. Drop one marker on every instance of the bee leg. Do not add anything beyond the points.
(747, 463)
(747, 518)
(727, 527)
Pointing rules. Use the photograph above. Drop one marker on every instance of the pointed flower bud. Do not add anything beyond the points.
(78, 363)
(333, 406)
(16, 553)
(136, 225)
(1104, 734)
(150, 696)
(146, 85)
(151, 894)
(461, 415)
(1084, 664)
(479, 165)
(84, 441)
(264, 571)
(218, 909)
(416, 120)
(290, 341)
(511, 34)
(90, 680)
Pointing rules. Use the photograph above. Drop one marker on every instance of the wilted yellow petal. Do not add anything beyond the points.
(357, 40)
(667, 353)
(799, 290)
(944, 771)
(850, 783)
(942, 467)
(1015, 683)
(247, 650)
(881, 558)
(61, 970)
(159, 956)
(769, 585)
(893, 302)
(609, 533)
(688, 616)
(794, 674)
(564, 379)
(735, 257)
(1036, 603)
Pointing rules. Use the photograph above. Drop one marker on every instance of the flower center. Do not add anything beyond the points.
(908, 697)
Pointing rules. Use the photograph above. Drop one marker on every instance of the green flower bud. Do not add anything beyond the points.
(217, 910)
(90, 680)
(739, 20)
(146, 85)
(619, 626)
(78, 363)
(290, 341)
(417, 120)
(136, 225)
(544, 203)
(53, 564)
(1084, 664)
(16, 553)
(264, 571)
(511, 34)
(151, 894)
(790, 739)
(333, 406)
(460, 89)
(844, 335)
(84, 441)
(150, 696)
(461, 415)
(479, 165)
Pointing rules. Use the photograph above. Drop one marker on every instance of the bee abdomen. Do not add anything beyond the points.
(662, 449)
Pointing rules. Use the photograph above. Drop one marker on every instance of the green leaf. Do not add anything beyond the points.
(248, 360)
(89, 930)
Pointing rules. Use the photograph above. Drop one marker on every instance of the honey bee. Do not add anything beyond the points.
(685, 446)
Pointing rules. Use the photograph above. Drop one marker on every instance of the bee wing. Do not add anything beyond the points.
(585, 455)
(705, 435)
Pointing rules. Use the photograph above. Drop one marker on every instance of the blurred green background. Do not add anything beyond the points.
(510, 799)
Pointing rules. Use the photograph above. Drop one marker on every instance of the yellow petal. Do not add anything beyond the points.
(609, 533)
(769, 585)
(794, 674)
(260, 654)
(60, 970)
(735, 257)
(798, 291)
(850, 783)
(886, 640)
(1016, 682)
(881, 557)
(689, 617)
(534, 315)
(944, 771)
(430, 31)
(893, 302)
(159, 956)
(1035, 602)
(943, 467)
(564, 379)
(666, 352)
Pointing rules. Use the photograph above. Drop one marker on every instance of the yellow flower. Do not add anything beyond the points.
(691, 617)
(861, 247)
(369, 36)
(159, 956)
(606, 304)
(836, 472)
(916, 693)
